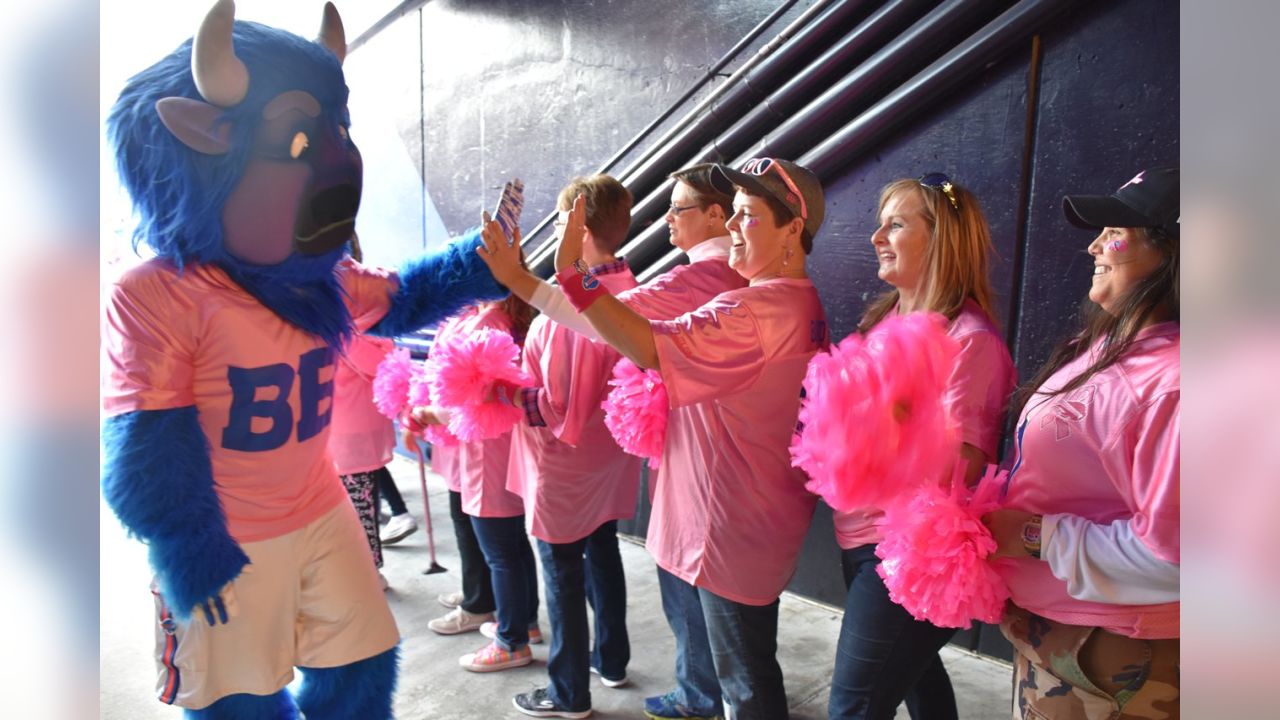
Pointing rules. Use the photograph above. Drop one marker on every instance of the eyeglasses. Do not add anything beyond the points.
(939, 181)
(760, 166)
(676, 209)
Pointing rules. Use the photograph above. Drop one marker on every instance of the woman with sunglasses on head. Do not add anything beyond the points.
(696, 222)
(932, 245)
(1090, 541)
(729, 513)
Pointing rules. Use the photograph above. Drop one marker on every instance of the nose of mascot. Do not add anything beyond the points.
(327, 214)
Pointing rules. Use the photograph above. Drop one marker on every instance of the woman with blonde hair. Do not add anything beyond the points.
(933, 248)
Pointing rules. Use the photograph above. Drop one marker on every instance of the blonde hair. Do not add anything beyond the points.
(608, 208)
(957, 260)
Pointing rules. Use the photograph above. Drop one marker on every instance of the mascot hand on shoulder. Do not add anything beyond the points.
(236, 151)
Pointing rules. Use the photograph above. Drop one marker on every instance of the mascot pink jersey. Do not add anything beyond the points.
(237, 151)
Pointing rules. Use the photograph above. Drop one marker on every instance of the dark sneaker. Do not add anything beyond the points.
(539, 704)
(665, 707)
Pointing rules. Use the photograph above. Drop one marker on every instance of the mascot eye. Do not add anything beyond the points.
(342, 133)
(299, 145)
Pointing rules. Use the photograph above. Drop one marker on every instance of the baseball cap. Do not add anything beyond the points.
(1150, 199)
(795, 187)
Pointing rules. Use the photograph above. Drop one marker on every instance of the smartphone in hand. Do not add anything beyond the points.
(509, 206)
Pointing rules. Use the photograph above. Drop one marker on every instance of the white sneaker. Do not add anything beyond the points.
(607, 682)
(490, 630)
(398, 528)
(458, 621)
(451, 600)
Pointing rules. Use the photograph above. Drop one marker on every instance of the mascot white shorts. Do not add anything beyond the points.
(310, 598)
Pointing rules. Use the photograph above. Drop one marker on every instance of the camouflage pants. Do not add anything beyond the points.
(1068, 672)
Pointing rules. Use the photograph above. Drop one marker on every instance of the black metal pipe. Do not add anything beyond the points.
(738, 93)
(906, 51)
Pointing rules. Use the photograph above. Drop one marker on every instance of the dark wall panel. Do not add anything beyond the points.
(1108, 108)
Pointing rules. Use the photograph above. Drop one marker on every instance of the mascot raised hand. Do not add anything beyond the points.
(218, 376)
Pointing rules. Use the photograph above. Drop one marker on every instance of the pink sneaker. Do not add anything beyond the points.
(492, 658)
(490, 630)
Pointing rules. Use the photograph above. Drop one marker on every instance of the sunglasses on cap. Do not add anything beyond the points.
(760, 166)
(942, 183)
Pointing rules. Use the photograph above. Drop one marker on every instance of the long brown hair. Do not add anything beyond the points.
(1155, 297)
(957, 258)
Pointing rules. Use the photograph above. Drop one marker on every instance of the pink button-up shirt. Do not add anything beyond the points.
(361, 439)
(262, 388)
(730, 512)
(478, 470)
(978, 391)
(572, 475)
(1105, 451)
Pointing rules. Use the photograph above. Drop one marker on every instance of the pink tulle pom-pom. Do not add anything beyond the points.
(635, 410)
(935, 552)
(463, 371)
(391, 382)
(874, 419)
(464, 367)
(483, 421)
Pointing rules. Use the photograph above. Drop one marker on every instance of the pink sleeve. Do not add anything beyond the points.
(711, 352)
(574, 373)
(1143, 462)
(979, 390)
(149, 363)
(369, 292)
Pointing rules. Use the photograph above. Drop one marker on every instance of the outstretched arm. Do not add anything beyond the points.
(158, 480)
(433, 287)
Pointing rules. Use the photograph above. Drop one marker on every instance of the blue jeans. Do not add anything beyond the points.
(744, 645)
(575, 573)
(885, 656)
(477, 586)
(514, 576)
(697, 686)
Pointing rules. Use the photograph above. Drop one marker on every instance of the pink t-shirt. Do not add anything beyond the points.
(572, 475)
(730, 513)
(1105, 451)
(685, 287)
(978, 391)
(361, 439)
(262, 388)
(479, 469)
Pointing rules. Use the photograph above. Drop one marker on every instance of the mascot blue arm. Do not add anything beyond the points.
(158, 480)
(433, 287)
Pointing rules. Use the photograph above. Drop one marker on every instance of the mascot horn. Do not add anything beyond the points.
(218, 376)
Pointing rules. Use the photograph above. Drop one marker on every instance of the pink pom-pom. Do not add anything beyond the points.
(484, 421)
(935, 552)
(874, 419)
(635, 411)
(391, 382)
(462, 369)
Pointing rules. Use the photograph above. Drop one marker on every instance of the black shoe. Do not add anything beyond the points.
(539, 704)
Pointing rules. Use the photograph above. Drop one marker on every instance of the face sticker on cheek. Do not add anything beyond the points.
(1119, 245)
(751, 222)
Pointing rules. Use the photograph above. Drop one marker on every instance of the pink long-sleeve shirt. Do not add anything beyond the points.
(1106, 451)
(361, 439)
(262, 388)
(479, 469)
(572, 475)
(730, 512)
(978, 392)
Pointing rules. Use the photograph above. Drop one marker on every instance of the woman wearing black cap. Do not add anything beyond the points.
(1089, 544)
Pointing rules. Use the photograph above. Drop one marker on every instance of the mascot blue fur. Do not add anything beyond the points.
(236, 152)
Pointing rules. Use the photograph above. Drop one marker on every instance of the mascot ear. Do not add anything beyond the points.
(195, 124)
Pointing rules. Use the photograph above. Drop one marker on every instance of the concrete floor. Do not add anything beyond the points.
(431, 683)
